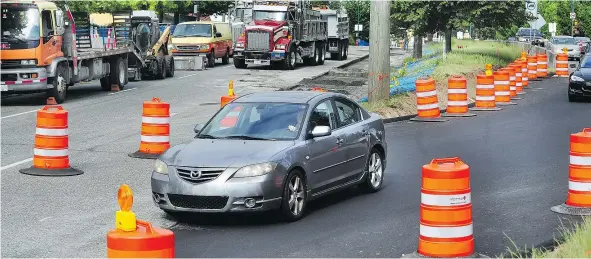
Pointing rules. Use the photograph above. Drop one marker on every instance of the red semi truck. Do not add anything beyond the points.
(282, 34)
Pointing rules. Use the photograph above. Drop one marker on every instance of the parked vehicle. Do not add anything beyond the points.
(583, 41)
(579, 83)
(241, 14)
(41, 52)
(273, 151)
(586, 49)
(338, 33)
(281, 35)
(198, 38)
(150, 45)
(533, 36)
(558, 43)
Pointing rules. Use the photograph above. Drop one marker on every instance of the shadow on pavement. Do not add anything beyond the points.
(77, 92)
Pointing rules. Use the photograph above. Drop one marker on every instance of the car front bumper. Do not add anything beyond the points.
(223, 194)
(580, 89)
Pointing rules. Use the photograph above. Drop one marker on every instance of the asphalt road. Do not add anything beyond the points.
(519, 168)
(70, 216)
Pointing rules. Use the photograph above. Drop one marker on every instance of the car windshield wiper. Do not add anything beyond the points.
(247, 137)
(206, 136)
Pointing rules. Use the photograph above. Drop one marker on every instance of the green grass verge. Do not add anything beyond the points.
(576, 244)
(393, 102)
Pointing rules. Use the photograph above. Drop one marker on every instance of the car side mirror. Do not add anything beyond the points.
(320, 131)
(198, 128)
(218, 34)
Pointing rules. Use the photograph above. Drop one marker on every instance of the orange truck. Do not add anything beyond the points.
(41, 51)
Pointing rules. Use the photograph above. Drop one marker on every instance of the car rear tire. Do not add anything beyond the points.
(211, 59)
(169, 60)
(294, 198)
(375, 172)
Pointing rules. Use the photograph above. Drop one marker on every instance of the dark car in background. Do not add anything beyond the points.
(533, 36)
(579, 82)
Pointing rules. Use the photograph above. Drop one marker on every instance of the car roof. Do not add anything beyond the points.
(286, 96)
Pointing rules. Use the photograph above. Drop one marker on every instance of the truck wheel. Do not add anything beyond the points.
(226, 58)
(211, 59)
(59, 85)
(126, 71)
(118, 73)
(321, 54)
(169, 60)
(290, 59)
(161, 74)
(240, 63)
(346, 50)
(340, 53)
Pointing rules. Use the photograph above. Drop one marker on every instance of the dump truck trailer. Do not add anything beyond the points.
(45, 49)
(338, 33)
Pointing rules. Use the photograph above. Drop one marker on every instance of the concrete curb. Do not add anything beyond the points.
(408, 117)
(344, 65)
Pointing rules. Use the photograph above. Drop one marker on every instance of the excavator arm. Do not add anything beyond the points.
(163, 41)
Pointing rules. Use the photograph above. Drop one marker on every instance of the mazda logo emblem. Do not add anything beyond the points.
(195, 174)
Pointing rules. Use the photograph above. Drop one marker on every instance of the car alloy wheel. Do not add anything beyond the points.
(296, 195)
(375, 170)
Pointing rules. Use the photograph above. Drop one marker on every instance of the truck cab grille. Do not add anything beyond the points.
(257, 40)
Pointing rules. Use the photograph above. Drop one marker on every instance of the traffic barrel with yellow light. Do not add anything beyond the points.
(230, 97)
(135, 238)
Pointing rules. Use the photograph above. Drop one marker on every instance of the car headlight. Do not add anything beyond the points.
(255, 170)
(576, 79)
(204, 47)
(160, 167)
(240, 45)
(280, 47)
(29, 62)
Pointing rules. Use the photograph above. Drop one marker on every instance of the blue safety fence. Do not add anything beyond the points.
(412, 72)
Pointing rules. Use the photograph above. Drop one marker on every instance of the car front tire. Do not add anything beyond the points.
(294, 199)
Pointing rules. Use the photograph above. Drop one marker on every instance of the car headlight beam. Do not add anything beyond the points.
(255, 170)
(160, 167)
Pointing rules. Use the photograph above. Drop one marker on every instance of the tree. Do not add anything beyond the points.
(358, 12)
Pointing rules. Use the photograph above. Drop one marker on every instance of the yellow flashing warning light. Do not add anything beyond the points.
(565, 50)
(231, 88)
(488, 71)
(125, 219)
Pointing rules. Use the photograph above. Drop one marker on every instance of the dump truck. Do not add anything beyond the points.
(45, 49)
(240, 15)
(338, 32)
(282, 34)
(153, 59)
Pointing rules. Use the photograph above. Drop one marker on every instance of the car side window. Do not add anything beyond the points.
(322, 115)
(348, 112)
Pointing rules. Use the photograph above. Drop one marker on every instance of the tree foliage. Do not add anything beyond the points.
(559, 12)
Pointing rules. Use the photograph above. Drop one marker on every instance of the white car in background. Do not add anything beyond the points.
(557, 43)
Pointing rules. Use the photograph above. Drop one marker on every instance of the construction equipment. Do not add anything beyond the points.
(282, 34)
(152, 45)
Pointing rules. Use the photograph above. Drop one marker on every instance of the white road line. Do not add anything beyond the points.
(17, 163)
(44, 219)
(18, 114)
(124, 90)
(186, 76)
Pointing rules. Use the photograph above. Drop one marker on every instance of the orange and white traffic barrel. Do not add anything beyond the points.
(445, 226)
(457, 97)
(524, 72)
(485, 94)
(512, 83)
(231, 118)
(578, 201)
(562, 65)
(518, 78)
(502, 88)
(155, 133)
(51, 155)
(532, 67)
(427, 101)
(542, 65)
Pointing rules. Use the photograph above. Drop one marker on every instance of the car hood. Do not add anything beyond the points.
(227, 152)
(568, 46)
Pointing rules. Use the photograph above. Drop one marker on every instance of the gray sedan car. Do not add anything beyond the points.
(273, 151)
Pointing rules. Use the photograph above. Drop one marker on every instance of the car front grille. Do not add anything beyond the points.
(10, 63)
(257, 41)
(188, 48)
(198, 175)
(9, 77)
(198, 202)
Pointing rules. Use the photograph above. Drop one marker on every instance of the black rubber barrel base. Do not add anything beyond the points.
(417, 255)
(485, 109)
(458, 115)
(51, 172)
(417, 119)
(570, 210)
(142, 155)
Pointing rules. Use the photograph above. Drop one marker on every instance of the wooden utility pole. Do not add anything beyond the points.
(379, 51)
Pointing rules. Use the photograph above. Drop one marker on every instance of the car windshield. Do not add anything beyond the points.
(586, 63)
(256, 121)
(192, 30)
(564, 41)
(582, 39)
(20, 23)
(266, 15)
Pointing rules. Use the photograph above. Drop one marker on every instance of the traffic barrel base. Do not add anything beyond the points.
(485, 109)
(458, 115)
(417, 119)
(570, 210)
(417, 255)
(142, 155)
(51, 172)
